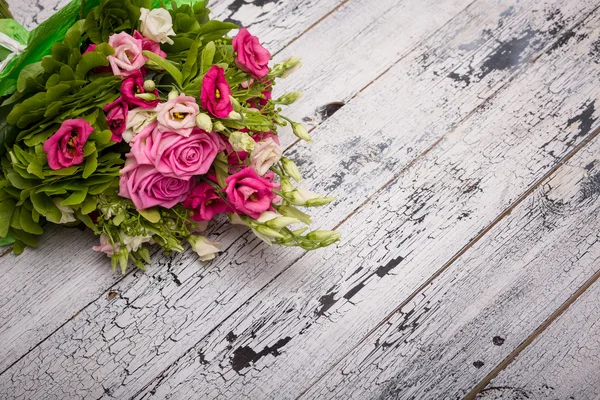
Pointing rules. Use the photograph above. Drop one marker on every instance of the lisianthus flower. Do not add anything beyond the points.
(134, 85)
(265, 155)
(215, 93)
(205, 202)
(116, 117)
(150, 45)
(106, 247)
(147, 187)
(128, 56)
(206, 249)
(250, 194)
(65, 147)
(157, 25)
(178, 115)
(137, 120)
(250, 55)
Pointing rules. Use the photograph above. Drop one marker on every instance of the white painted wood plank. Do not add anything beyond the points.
(353, 14)
(310, 316)
(51, 284)
(564, 361)
(455, 331)
(165, 311)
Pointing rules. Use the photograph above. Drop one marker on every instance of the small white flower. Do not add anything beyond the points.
(241, 141)
(137, 120)
(206, 248)
(67, 214)
(157, 25)
(133, 243)
(204, 122)
(265, 155)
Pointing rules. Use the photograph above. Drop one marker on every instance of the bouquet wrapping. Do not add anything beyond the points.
(144, 122)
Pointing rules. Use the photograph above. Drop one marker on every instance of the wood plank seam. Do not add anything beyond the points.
(481, 386)
(409, 165)
(405, 54)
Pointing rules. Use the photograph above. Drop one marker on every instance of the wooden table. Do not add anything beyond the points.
(464, 154)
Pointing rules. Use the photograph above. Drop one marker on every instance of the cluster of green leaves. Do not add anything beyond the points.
(59, 87)
(118, 217)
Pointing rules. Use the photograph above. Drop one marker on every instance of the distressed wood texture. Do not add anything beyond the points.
(299, 326)
(48, 299)
(454, 112)
(562, 363)
(470, 318)
(347, 49)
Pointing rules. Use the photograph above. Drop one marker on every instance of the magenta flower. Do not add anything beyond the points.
(250, 55)
(65, 147)
(215, 93)
(250, 194)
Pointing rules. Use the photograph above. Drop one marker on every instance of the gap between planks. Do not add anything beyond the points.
(321, 19)
(481, 386)
(477, 238)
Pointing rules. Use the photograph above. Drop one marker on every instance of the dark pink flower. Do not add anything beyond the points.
(250, 194)
(150, 45)
(65, 147)
(147, 187)
(215, 93)
(134, 84)
(116, 117)
(205, 202)
(250, 55)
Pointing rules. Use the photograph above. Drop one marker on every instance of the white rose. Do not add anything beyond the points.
(241, 141)
(265, 155)
(67, 214)
(133, 243)
(157, 25)
(137, 120)
(206, 249)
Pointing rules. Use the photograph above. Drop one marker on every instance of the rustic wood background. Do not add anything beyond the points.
(464, 154)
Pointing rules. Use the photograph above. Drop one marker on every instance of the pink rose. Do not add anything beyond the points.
(128, 55)
(178, 115)
(250, 56)
(150, 45)
(147, 187)
(98, 70)
(134, 84)
(205, 202)
(116, 117)
(175, 155)
(249, 193)
(65, 147)
(215, 93)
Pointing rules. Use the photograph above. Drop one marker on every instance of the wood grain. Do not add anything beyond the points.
(446, 339)
(51, 284)
(159, 315)
(326, 303)
(563, 362)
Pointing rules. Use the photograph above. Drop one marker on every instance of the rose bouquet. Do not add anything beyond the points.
(143, 122)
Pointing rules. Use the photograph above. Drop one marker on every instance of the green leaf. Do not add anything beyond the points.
(208, 55)
(76, 198)
(24, 237)
(167, 66)
(7, 241)
(190, 67)
(28, 224)
(89, 205)
(30, 72)
(18, 181)
(45, 206)
(213, 30)
(151, 214)
(91, 163)
(7, 208)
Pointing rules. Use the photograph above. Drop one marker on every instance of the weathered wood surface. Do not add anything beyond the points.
(562, 363)
(470, 318)
(297, 328)
(68, 287)
(311, 314)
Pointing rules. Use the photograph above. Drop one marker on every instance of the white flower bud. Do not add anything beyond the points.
(67, 214)
(173, 94)
(149, 85)
(290, 66)
(291, 169)
(322, 235)
(281, 222)
(301, 132)
(206, 249)
(218, 126)
(241, 141)
(204, 122)
(236, 104)
(289, 98)
(234, 115)
(147, 96)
